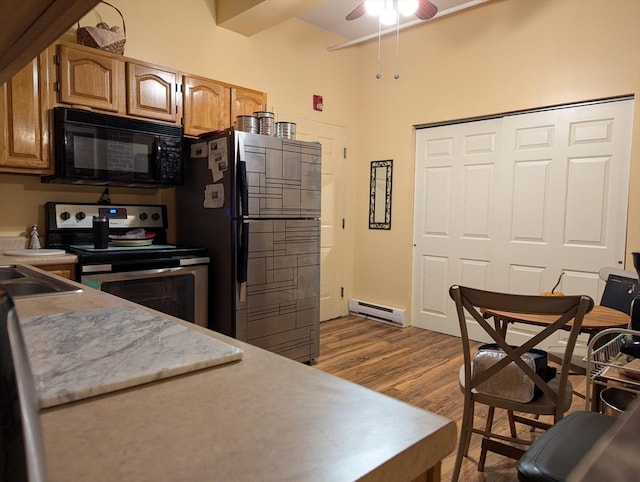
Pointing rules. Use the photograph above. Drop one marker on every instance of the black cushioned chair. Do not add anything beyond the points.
(554, 454)
(21, 452)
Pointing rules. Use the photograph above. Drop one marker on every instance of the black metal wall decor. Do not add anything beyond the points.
(380, 194)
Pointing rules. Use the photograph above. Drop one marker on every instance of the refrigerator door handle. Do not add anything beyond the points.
(243, 260)
(242, 182)
(243, 189)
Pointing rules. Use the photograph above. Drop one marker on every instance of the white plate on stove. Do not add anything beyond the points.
(131, 242)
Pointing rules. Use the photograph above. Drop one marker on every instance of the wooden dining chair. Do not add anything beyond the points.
(22, 454)
(555, 398)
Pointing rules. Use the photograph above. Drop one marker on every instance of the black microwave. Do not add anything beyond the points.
(102, 149)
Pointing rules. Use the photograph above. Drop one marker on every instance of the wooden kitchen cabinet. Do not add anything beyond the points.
(246, 102)
(210, 105)
(105, 81)
(91, 78)
(24, 124)
(67, 270)
(152, 92)
(206, 105)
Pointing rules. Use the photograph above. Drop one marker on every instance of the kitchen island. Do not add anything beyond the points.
(261, 418)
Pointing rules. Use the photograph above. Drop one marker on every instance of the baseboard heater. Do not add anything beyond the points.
(385, 314)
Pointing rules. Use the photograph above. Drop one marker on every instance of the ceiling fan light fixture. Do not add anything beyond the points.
(408, 7)
(374, 7)
(388, 16)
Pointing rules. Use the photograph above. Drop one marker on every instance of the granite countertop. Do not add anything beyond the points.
(264, 418)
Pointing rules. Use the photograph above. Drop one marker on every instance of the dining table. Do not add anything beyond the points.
(598, 319)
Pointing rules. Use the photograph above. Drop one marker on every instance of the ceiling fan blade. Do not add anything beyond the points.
(356, 12)
(426, 10)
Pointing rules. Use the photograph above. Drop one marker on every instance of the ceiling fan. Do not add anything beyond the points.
(424, 9)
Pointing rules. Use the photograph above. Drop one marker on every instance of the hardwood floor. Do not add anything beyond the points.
(419, 367)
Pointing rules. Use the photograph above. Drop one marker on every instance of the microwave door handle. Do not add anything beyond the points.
(156, 155)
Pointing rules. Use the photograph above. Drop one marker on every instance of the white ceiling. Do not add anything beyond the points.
(331, 16)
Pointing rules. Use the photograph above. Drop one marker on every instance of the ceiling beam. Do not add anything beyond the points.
(30, 26)
(248, 17)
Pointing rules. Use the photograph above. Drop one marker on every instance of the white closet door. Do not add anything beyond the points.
(455, 227)
(509, 204)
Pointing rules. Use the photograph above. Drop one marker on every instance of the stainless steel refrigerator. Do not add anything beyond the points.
(254, 202)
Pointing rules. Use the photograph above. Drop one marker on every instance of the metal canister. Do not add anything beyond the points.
(615, 401)
(247, 123)
(286, 130)
(266, 123)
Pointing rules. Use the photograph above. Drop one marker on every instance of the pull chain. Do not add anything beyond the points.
(379, 75)
(396, 75)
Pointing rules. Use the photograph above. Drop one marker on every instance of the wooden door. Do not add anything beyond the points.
(24, 135)
(246, 102)
(152, 92)
(205, 105)
(332, 137)
(91, 78)
(509, 204)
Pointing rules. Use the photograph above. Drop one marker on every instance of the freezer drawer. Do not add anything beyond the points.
(281, 310)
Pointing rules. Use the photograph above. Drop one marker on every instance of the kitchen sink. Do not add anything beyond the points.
(21, 281)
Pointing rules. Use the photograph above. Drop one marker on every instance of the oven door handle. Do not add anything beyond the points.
(137, 265)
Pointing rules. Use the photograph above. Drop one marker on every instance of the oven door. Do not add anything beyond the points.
(180, 292)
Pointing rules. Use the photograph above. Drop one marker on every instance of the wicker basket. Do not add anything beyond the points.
(103, 38)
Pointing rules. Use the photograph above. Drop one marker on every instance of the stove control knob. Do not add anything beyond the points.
(144, 216)
(65, 215)
(155, 216)
(80, 216)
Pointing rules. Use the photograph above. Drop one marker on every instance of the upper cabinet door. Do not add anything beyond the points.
(93, 79)
(152, 92)
(24, 137)
(246, 102)
(206, 105)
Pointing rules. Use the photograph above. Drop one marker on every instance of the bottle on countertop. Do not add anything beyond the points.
(100, 232)
(34, 243)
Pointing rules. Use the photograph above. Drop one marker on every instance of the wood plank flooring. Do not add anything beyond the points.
(419, 367)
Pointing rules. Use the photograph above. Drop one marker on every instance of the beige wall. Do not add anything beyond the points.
(501, 56)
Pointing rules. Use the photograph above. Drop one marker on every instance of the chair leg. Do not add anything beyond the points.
(512, 424)
(487, 428)
(465, 437)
